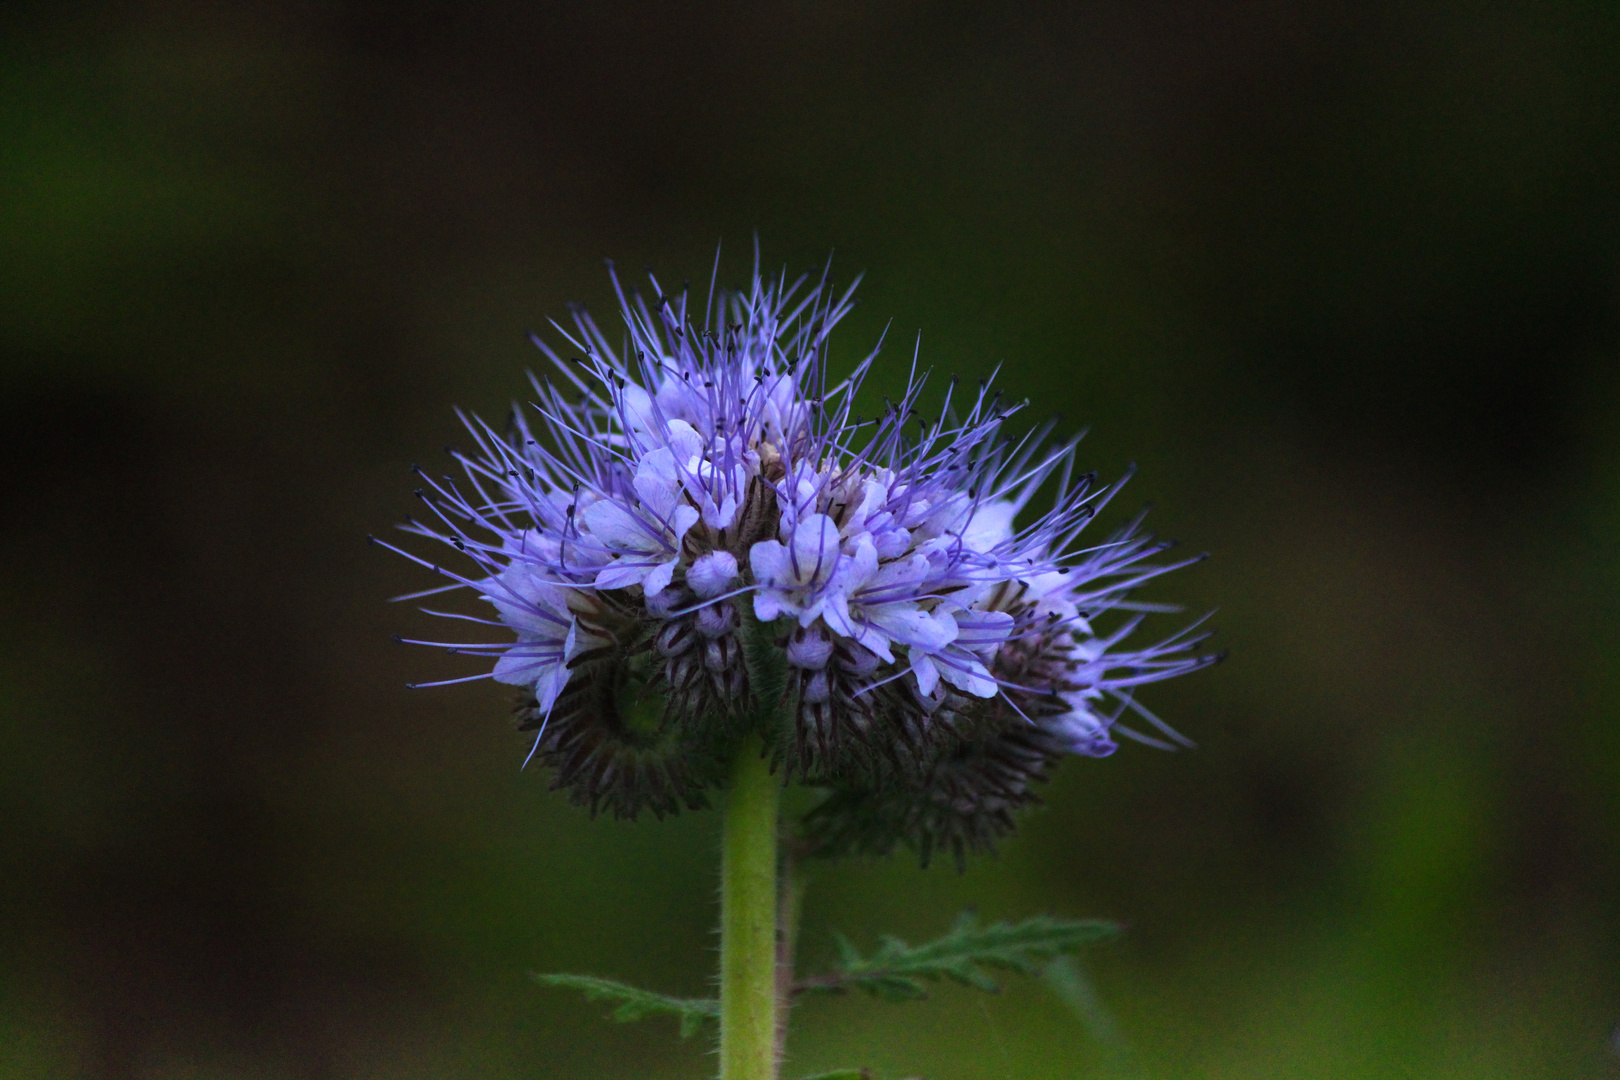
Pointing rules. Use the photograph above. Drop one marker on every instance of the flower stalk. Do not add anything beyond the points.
(790, 904)
(721, 580)
(748, 919)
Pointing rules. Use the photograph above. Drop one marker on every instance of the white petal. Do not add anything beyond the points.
(680, 401)
(658, 577)
(910, 625)
(815, 549)
(873, 495)
(899, 574)
(875, 640)
(859, 568)
(982, 631)
(532, 607)
(617, 528)
(769, 562)
(891, 541)
(550, 685)
(836, 613)
(658, 482)
(621, 575)
(638, 409)
(684, 518)
(974, 680)
(926, 672)
(720, 517)
(521, 666)
(990, 525)
(685, 442)
(768, 606)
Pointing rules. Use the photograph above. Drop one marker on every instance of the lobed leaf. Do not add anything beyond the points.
(897, 971)
(634, 1003)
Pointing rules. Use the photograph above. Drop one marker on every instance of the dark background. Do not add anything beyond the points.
(1341, 277)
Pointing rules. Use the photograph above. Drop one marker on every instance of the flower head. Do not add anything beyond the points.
(706, 485)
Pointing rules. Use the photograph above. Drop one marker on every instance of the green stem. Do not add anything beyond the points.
(748, 919)
(787, 940)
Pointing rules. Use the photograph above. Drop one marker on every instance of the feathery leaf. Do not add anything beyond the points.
(897, 971)
(633, 1003)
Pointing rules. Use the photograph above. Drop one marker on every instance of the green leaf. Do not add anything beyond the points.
(842, 1074)
(897, 971)
(634, 1003)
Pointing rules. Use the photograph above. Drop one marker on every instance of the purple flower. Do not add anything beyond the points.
(707, 481)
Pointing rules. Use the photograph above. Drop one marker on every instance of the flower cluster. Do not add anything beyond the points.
(673, 509)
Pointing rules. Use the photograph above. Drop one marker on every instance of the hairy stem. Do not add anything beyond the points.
(787, 940)
(748, 919)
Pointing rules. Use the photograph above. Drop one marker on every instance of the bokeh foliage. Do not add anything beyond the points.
(1341, 277)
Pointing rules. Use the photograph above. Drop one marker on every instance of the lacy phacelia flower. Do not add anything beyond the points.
(668, 502)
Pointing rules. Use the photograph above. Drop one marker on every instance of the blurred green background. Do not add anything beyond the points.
(1341, 277)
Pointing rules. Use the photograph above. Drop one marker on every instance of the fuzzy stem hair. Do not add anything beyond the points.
(748, 919)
